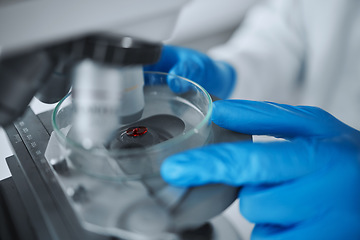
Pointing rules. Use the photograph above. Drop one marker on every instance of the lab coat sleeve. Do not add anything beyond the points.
(267, 51)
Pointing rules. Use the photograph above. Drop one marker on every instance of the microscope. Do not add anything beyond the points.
(44, 45)
(90, 168)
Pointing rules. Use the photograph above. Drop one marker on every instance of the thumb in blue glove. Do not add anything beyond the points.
(217, 77)
(305, 188)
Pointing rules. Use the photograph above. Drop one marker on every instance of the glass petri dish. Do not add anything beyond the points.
(176, 117)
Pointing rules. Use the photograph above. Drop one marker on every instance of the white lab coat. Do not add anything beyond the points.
(299, 52)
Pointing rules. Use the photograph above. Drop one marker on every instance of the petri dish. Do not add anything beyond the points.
(176, 117)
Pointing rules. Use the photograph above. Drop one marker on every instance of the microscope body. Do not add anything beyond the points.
(43, 42)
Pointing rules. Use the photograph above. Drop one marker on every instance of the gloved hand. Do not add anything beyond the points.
(217, 77)
(307, 187)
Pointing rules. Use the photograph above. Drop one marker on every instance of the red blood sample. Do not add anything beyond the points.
(136, 131)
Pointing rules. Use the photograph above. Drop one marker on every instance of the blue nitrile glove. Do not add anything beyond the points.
(217, 77)
(305, 188)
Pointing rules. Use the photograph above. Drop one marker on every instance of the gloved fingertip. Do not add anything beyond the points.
(177, 84)
(217, 113)
(214, 110)
(174, 171)
(214, 105)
